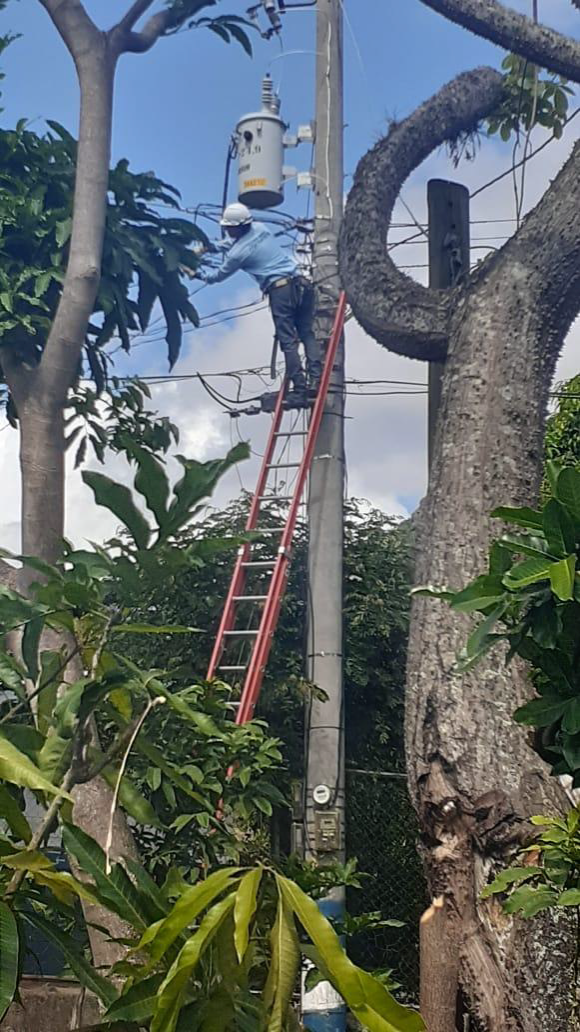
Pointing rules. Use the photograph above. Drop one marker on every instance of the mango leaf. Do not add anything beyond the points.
(90, 979)
(509, 877)
(25, 738)
(159, 937)
(173, 989)
(115, 890)
(562, 578)
(142, 628)
(529, 900)
(521, 517)
(369, 1000)
(284, 962)
(137, 1005)
(18, 769)
(244, 910)
(118, 499)
(12, 675)
(131, 799)
(480, 640)
(9, 954)
(11, 812)
(30, 644)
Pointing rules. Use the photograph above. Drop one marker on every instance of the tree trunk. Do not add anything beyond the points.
(474, 778)
(42, 461)
(473, 775)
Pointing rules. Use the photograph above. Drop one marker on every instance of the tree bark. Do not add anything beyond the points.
(439, 958)
(474, 778)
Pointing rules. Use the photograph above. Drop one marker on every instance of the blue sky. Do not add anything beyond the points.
(175, 108)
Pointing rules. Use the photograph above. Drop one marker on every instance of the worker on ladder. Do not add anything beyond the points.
(252, 248)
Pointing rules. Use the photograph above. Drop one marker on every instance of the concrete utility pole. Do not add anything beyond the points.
(323, 1010)
(449, 252)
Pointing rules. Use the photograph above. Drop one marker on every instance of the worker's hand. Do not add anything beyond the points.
(186, 270)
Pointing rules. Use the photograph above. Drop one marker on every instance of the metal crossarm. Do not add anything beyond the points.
(250, 614)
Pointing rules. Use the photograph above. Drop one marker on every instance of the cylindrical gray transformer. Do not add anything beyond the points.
(260, 148)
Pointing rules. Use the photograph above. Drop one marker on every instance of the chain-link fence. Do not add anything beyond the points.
(381, 832)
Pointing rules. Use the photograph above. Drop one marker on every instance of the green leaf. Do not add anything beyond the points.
(11, 812)
(244, 910)
(569, 898)
(529, 571)
(173, 988)
(137, 1005)
(18, 769)
(571, 716)
(142, 628)
(369, 1000)
(30, 645)
(541, 712)
(284, 963)
(118, 500)
(558, 529)
(12, 675)
(115, 890)
(151, 482)
(505, 879)
(480, 640)
(571, 750)
(525, 544)
(530, 900)
(131, 799)
(90, 979)
(562, 578)
(568, 491)
(9, 954)
(521, 517)
(159, 937)
(484, 591)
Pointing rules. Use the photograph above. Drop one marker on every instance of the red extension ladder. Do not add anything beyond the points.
(252, 606)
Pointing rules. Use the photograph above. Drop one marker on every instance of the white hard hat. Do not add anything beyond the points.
(236, 215)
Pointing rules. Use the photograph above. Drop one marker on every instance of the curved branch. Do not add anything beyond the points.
(391, 307)
(515, 32)
(127, 41)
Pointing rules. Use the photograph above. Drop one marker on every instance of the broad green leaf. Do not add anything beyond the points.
(571, 750)
(197, 483)
(9, 953)
(24, 737)
(521, 517)
(118, 499)
(541, 712)
(137, 1005)
(529, 571)
(484, 591)
(115, 890)
(244, 910)
(12, 675)
(526, 544)
(18, 769)
(152, 483)
(546, 621)
(51, 673)
(157, 904)
(30, 644)
(284, 964)
(90, 979)
(11, 812)
(568, 491)
(430, 591)
(571, 716)
(558, 529)
(562, 578)
(54, 757)
(173, 988)
(159, 937)
(529, 900)
(377, 1010)
(569, 898)
(480, 640)
(511, 876)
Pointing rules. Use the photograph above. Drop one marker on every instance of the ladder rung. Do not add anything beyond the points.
(285, 465)
(291, 433)
(250, 598)
(270, 530)
(230, 669)
(239, 634)
(264, 564)
(276, 498)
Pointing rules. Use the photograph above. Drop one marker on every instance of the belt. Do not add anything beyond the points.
(284, 282)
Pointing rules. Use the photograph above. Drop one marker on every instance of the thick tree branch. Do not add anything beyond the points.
(126, 41)
(515, 32)
(391, 307)
(73, 24)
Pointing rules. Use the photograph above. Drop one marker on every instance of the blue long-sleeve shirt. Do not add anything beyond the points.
(259, 254)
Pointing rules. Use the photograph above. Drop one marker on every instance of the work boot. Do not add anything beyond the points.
(297, 398)
(314, 387)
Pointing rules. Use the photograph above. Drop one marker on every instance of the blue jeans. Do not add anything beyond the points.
(292, 307)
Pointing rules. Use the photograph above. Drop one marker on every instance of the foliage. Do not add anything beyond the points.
(142, 250)
(530, 100)
(562, 442)
(549, 875)
(530, 599)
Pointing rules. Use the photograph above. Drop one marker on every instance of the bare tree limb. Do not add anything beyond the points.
(158, 25)
(515, 32)
(391, 307)
(73, 24)
(130, 19)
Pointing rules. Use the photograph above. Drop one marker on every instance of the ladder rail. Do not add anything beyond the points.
(271, 611)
